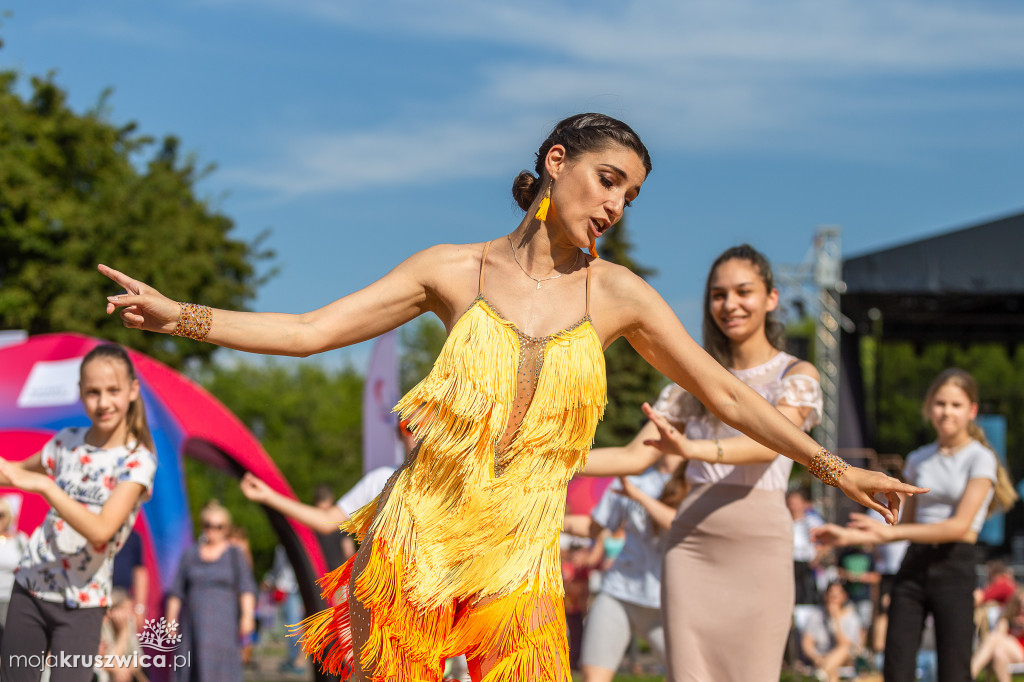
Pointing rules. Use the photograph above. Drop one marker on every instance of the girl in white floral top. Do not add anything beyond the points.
(95, 480)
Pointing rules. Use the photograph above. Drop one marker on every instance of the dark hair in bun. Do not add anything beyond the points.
(579, 135)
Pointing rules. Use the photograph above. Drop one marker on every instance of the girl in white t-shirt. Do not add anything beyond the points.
(95, 480)
(937, 575)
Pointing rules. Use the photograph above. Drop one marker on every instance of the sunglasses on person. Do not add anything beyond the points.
(213, 526)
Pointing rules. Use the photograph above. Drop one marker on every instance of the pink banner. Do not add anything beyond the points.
(381, 446)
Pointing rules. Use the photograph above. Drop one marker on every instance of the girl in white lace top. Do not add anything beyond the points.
(727, 579)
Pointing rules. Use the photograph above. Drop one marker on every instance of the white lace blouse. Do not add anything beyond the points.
(778, 387)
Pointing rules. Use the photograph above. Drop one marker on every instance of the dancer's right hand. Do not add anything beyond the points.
(143, 307)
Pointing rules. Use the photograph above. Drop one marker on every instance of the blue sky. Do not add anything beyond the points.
(362, 132)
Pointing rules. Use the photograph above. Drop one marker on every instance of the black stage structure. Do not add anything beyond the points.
(964, 286)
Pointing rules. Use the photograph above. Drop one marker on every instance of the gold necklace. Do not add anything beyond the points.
(542, 279)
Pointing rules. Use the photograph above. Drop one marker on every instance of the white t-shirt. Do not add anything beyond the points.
(803, 546)
(776, 385)
(635, 576)
(365, 490)
(60, 564)
(947, 476)
(12, 547)
(822, 630)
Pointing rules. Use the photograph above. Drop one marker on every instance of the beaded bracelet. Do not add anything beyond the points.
(194, 321)
(827, 467)
(720, 454)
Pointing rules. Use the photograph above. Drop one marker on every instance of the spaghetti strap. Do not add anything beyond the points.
(588, 290)
(483, 260)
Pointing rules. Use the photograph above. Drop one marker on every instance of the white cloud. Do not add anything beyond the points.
(306, 163)
(796, 74)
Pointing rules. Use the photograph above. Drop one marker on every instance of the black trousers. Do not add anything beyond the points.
(36, 628)
(940, 580)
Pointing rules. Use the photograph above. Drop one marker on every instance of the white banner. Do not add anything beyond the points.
(51, 383)
(381, 446)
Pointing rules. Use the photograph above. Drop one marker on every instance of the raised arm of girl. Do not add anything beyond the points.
(96, 527)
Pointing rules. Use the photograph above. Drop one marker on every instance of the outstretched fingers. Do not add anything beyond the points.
(141, 306)
(666, 432)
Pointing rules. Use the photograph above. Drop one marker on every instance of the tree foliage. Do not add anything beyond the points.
(631, 380)
(905, 372)
(421, 343)
(72, 196)
(308, 418)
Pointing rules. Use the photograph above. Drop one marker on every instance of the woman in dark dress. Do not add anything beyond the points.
(213, 597)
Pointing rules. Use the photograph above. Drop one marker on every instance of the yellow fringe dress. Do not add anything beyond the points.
(464, 539)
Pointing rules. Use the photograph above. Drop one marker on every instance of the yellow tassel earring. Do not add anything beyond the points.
(545, 204)
(593, 246)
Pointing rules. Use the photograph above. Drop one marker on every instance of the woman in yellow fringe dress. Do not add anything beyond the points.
(459, 553)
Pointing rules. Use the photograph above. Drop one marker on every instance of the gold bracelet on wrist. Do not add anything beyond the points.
(720, 455)
(827, 467)
(194, 321)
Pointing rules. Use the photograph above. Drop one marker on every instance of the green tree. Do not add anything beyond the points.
(77, 190)
(421, 343)
(308, 418)
(904, 373)
(631, 380)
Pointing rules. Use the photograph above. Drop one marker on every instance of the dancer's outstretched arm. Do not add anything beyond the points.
(635, 310)
(399, 296)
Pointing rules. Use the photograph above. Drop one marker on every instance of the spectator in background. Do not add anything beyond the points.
(1001, 585)
(833, 634)
(332, 544)
(289, 600)
(326, 518)
(239, 537)
(131, 575)
(629, 602)
(12, 545)
(118, 639)
(213, 596)
(805, 552)
(576, 569)
(937, 576)
(856, 566)
(1004, 645)
(888, 557)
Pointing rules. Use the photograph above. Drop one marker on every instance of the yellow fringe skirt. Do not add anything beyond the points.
(520, 636)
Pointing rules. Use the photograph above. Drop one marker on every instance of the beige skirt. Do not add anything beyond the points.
(727, 585)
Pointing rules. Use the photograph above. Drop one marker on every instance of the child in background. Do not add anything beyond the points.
(95, 480)
(937, 576)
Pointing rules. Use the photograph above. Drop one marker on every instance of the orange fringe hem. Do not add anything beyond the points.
(522, 635)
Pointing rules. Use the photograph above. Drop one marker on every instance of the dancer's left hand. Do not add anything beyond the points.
(863, 487)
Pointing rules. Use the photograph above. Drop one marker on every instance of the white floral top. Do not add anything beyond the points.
(60, 565)
(776, 384)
